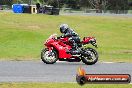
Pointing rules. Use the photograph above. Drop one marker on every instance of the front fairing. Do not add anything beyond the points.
(50, 40)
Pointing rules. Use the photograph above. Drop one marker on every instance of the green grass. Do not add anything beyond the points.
(22, 35)
(61, 85)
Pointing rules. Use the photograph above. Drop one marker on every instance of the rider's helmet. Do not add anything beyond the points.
(63, 28)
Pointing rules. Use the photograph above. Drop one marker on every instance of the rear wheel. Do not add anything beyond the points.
(49, 57)
(91, 58)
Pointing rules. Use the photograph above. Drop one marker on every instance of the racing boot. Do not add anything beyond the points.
(75, 50)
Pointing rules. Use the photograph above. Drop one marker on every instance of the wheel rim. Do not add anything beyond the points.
(92, 56)
(49, 56)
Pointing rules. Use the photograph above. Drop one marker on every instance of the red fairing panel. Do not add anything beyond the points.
(62, 50)
(86, 40)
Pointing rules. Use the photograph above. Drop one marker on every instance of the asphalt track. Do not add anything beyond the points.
(37, 71)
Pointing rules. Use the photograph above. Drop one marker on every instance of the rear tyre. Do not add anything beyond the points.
(90, 59)
(49, 57)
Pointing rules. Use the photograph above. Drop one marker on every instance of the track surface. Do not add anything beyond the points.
(37, 71)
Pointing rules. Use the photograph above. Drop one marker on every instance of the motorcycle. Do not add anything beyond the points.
(56, 49)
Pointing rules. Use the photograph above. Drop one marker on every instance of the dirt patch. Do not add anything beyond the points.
(127, 51)
(34, 27)
(118, 52)
(123, 52)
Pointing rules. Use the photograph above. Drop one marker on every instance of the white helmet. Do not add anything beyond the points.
(63, 28)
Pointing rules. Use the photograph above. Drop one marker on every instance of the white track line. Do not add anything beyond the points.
(109, 62)
(81, 62)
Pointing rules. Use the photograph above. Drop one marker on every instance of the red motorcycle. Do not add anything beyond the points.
(56, 49)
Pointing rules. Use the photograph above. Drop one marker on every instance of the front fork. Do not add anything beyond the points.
(50, 51)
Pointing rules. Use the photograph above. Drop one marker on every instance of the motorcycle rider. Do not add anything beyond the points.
(74, 38)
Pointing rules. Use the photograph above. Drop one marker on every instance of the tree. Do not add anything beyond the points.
(53, 3)
(5, 2)
(104, 5)
(118, 6)
(73, 4)
(94, 4)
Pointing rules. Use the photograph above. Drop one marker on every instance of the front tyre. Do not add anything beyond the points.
(91, 58)
(49, 57)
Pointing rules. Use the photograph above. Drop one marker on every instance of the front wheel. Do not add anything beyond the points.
(49, 57)
(91, 57)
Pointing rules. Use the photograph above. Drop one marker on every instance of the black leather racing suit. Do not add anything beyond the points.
(74, 38)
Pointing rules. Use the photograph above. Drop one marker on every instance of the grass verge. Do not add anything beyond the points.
(61, 85)
(22, 35)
